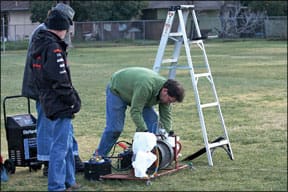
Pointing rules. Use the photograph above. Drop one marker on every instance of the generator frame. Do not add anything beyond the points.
(165, 171)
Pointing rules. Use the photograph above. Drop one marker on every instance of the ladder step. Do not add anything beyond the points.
(195, 41)
(176, 67)
(175, 8)
(202, 75)
(217, 144)
(209, 105)
(186, 6)
(169, 61)
(177, 34)
(212, 37)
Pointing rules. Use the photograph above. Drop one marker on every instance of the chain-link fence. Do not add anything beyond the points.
(115, 30)
(271, 27)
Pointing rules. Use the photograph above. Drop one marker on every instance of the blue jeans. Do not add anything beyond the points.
(61, 162)
(115, 117)
(44, 135)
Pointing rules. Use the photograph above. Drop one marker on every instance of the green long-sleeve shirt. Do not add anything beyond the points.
(140, 87)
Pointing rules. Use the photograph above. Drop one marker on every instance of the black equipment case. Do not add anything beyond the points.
(94, 169)
(21, 136)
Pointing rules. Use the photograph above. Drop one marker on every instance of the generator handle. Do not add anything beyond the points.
(12, 97)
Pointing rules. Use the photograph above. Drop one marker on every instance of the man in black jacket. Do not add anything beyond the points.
(58, 98)
(29, 89)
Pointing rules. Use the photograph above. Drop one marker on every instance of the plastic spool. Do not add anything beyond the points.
(166, 153)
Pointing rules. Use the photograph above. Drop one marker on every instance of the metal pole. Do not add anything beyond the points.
(3, 33)
(144, 29)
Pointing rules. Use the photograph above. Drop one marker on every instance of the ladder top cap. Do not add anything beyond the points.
(175, 8)
(187, 6)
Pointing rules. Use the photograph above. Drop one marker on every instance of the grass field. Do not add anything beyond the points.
(251, 82)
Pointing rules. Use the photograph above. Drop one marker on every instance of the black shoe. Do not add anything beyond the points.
(79, 165)
(45, 168)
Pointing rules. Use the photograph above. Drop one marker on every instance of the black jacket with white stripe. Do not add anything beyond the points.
(52, 76)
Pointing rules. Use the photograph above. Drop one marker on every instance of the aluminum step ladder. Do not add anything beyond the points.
(180, 37)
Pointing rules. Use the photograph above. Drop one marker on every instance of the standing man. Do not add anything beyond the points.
(141, 89)
(29, 89)
(58, 98)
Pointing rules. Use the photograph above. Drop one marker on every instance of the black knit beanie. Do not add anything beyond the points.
(57, 21)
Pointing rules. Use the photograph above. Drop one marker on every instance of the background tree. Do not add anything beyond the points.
(107, 10)
(272, 8)
(245, 18)
(39, 10)
(92, 10)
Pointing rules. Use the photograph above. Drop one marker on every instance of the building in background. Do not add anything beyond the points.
(17, 25)
(207, 13)
(15, 15)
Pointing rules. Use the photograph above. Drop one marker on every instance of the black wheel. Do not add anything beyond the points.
(10, 166)
(36, 166)
(148, 182)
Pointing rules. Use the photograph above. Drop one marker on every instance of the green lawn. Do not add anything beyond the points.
(251, 82)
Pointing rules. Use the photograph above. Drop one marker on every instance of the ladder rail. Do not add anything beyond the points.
(196, 92)
(178, 44)
(210, 78)
(164, 40)
(217, 103)
(196, 23)
(220, 114)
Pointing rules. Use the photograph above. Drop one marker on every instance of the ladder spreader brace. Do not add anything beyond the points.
(180, 38)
